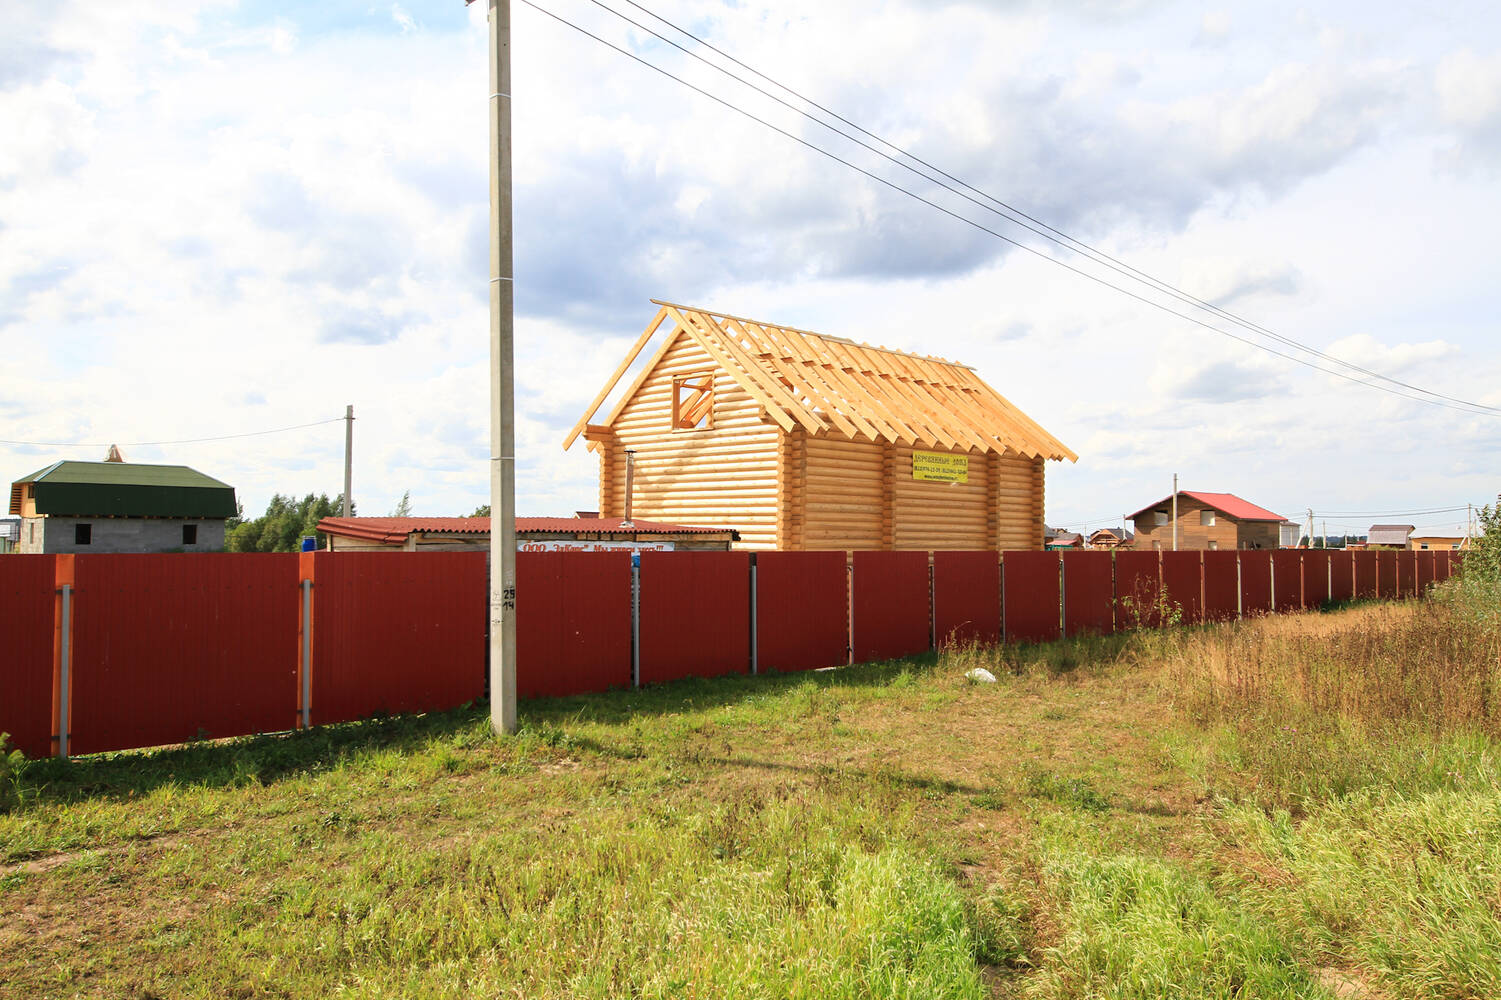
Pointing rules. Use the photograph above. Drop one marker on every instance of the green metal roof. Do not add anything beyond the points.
(126, 489)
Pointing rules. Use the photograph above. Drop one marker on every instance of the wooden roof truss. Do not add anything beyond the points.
(823, 384)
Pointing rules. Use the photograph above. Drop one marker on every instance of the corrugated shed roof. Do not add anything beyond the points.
(123, 474)
(122, 489)
(823, 384)
(1388, 534)
(1227, 503)
(394, 530)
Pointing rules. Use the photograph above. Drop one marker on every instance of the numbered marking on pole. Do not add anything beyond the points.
(508, 599)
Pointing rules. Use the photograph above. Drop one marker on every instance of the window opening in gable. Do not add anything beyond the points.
(693, 401)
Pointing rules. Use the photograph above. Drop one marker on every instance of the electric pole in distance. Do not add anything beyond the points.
(348, 459)
(502, 397)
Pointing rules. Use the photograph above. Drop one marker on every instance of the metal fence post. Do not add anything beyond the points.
(755, 650)
(635, 620)
(307, 653)
(1240, 600)
(65, 664)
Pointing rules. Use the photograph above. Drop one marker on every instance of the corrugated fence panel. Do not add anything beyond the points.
(1425, 570)
(1221, 586)
(1255, 582)
(1182, 585)
(178, 646)
(26, 600)
(1316, 568)
(396, 632)
(802, 610)
(573, 622)
(1287, 580)
(1365, 575)
(1386, 573)
(1032, 604)
(1407, 573)
(889, 600)
(1342, 576)
(1442, 564)
(1138, 589)
(1088, 593)
(695, 615)
(966, 598)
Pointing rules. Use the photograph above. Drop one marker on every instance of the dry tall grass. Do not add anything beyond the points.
(1429, 663)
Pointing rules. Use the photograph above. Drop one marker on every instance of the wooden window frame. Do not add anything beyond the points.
(697, 411)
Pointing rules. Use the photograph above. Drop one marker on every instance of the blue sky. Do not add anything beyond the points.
(218, 218)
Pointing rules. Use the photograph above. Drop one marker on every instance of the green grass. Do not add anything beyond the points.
(1108, 820)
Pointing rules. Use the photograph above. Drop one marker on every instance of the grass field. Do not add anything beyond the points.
(1299, 807)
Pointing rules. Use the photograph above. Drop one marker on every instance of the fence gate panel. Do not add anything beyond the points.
(1316, 567)
(695, 615)
(1287, 580)
(1426, 569)
(1088, 593)
(179, 646)
(397, 632)
(1386, 575)
(1138, 590)
(890, 606)
(1342, 576)
(573, 622)
(26, 623)
(1033, 609)
(1366, 575)
(802, 610)
(1221, 586)
(1255, 582)
(966, 598)
(1183, 585)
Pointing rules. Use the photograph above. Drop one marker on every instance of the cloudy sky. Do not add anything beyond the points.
(221, 218)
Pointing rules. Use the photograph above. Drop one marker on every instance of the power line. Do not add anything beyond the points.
(1005, 210)
(1388, 513)
(1463, 406)
(147, 444)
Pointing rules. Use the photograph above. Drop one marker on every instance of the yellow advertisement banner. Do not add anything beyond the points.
(940, 467)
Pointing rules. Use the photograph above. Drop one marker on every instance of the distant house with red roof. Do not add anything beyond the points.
(1207, 521)
(428, 534)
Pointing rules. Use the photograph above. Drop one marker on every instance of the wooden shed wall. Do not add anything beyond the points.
(724, 476)
(845, 494)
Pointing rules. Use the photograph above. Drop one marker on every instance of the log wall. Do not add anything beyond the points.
(720, 476)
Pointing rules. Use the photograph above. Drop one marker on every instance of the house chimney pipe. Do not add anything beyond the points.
(630, 483)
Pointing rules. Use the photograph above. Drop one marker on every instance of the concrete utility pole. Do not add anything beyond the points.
(1175, 512)
(1310, 527)
(502, 396)
(348, 458)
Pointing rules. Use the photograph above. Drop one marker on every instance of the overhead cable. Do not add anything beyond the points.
(1463, 406)
(148, 444)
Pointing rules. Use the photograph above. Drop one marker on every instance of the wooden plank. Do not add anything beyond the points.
(775, 406)
(646, 335)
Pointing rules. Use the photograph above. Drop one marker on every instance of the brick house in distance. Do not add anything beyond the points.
(1207, 521)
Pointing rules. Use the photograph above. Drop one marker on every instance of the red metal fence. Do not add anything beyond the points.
(167, 648)
(695, 615)
(1031, 596)
(170, 648)
(802, 604)
(889, 605)
(966, 598)
(26, 631)
(573, 611)
(1088, 593)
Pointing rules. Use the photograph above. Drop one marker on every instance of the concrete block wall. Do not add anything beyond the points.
(119, 534)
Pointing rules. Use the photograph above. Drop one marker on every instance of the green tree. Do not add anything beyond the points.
(483, 510)
(403, 506)
(286, 520)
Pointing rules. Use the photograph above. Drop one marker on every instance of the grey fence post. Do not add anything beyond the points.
(307, 654)
(1271, 572)
(1240, 603)
(65, 669)
(635, 620)
(1062, 597)
(755, 644)
(932, 601)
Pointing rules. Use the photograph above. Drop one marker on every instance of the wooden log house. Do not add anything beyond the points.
(805, 441)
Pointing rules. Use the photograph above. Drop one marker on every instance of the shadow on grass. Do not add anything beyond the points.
(266, 759)
(240, 761)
